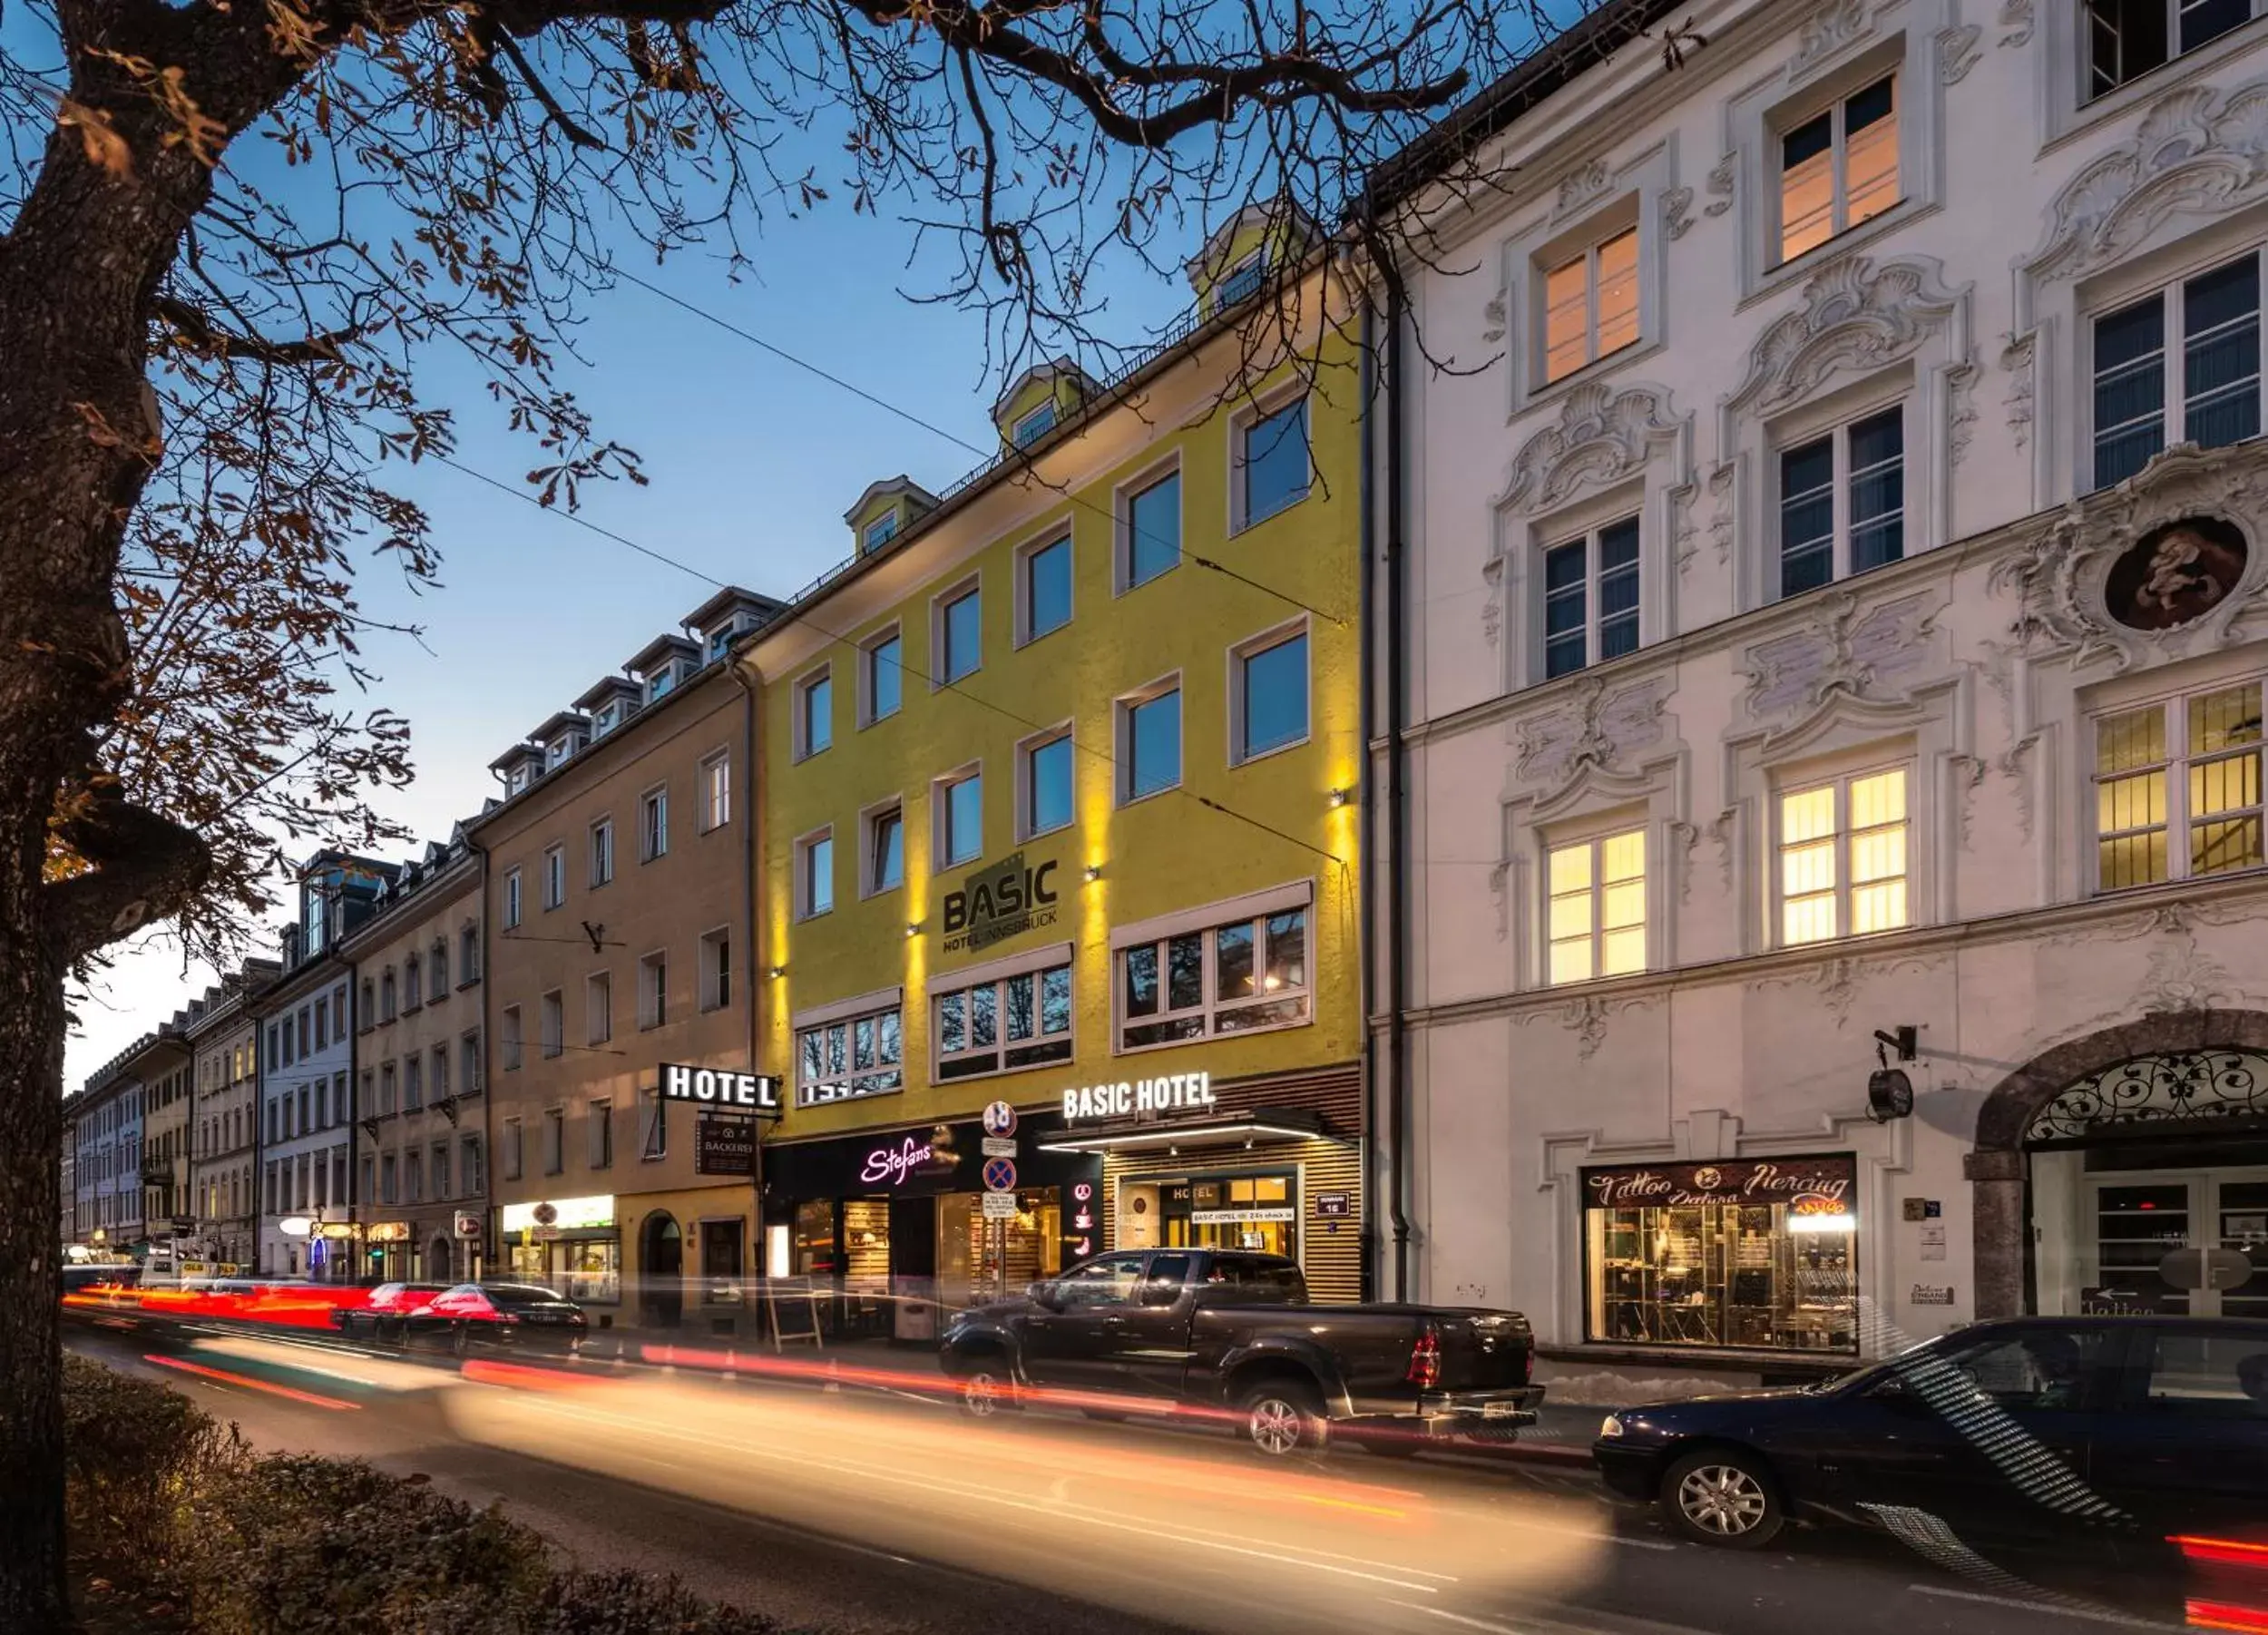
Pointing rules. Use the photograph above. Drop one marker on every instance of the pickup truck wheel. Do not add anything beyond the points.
(984, 1391)
(1284, 1417)
(1723, 1496)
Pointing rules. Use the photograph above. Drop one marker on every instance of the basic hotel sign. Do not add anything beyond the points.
(1180, 1092)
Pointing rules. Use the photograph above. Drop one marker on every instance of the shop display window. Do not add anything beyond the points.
(812, 1247)
(1750, 1255)
(588, 1270)
(1254, 1213)
(974, 1265)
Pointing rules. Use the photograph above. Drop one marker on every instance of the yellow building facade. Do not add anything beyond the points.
(1059, 811)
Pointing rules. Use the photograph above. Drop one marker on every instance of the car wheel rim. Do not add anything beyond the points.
(981, 1394)
(1277, 1426)
(1723, 1500)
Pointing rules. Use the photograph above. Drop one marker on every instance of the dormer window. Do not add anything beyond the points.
(518, 779)
(720, 642)
(1243, 280)
(609, 715)
(883, 530)
(1031, 427)
(659, 682)
(556, 755)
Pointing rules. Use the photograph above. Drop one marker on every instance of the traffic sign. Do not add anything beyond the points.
(1000, 1146)
(999, 1118)
(999, 1175)
(999, 1206)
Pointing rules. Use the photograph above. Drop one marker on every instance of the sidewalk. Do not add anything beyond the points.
(1562, 1434)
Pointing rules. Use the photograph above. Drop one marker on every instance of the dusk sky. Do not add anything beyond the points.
(753, 463)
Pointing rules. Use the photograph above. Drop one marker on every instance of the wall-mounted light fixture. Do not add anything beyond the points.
(912, 927)
(778, 972)
(1339, 798)
(1094, 873)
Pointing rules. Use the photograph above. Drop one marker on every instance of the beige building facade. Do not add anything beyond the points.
(617, 909)
(224, 1124)
(420, 1147)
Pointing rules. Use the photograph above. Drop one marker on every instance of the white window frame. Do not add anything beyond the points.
(1061, 732)
(509, 914)
(715, 983)
(2173, 703)
(1024, 556)
(1593, 834)
(869, 853)
(940, 672)
(716, 791)
(1916, 533)
(1608, 224)
(1793, 781)
(1122, 498)
(994, 977)
(1048, 408)
(1122, 711)
(598, 1007)
(1254, 909)
(1266, 407)
(832, 1086)
(1301, 628)
(554, 875)
(601, 852)
(820, 675)
(2172, 296)
(1798, 113)
(653, 839)
(887, 524)
(808, 906)
(653, 989)
(868, 647)
(2069, 45)
(941, 816)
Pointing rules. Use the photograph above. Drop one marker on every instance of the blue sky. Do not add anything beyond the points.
(752, 461)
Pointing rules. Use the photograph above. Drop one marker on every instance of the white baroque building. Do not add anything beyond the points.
(1818, 618)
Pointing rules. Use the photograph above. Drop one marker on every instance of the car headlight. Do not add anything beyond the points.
(1610, 1426)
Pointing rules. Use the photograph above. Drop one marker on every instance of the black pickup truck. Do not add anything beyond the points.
(1149, 1329)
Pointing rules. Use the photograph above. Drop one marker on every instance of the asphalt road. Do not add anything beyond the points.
(875, 1509)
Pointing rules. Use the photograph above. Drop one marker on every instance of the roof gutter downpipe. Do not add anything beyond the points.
(1393, 648)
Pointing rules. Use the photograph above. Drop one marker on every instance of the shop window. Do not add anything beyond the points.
(2179, 365)
(1020, 1021)
(2125, 39)
(1598, 908)
(1844, 857)
(588, 1270)
(1839, 168)
(1255, 1213)
(1590, 304)
(1757, 1254)
(2177, 788)
(844, 1060)
(1234, 978)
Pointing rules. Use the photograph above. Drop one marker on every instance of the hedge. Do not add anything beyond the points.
(170, 1503)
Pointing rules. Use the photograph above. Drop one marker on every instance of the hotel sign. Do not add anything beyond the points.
(1128, 1098)
(998, 903)
(755, 1093)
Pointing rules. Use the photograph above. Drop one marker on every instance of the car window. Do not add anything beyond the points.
(1109, 1281)
(1258, 1279)
(518, 1293)
(2197, 1374)
(2046, 1369)
(385, 1291)
(1168, 1274)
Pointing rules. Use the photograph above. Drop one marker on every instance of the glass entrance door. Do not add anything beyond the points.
(2138, 1219)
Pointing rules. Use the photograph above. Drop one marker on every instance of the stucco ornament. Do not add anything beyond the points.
(1579, 186)
(1957, 51)
(2195, 153)
(1586, 1016)
(1604, 435)
(2016, 16)
(1720, 185)
(1846, 650)
(2060, 573)
(2016, 357)
(1593, 725)
(1827, 30)
(1857, 316)
(1675, 202)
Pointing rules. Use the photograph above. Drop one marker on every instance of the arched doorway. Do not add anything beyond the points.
(437, 1268)
(2096, 1157)
(661, 1269)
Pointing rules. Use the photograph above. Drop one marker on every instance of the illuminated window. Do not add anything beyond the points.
(2189, 768)
(1596, 913)
(1590, 303)
(1839, 168)
(1844, 858)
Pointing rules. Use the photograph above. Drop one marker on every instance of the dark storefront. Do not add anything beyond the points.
(892, 1222)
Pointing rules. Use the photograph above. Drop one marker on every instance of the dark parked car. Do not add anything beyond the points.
(387, 1315)
(522, 1316)
(2109, 1435)
(1233, 1331)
